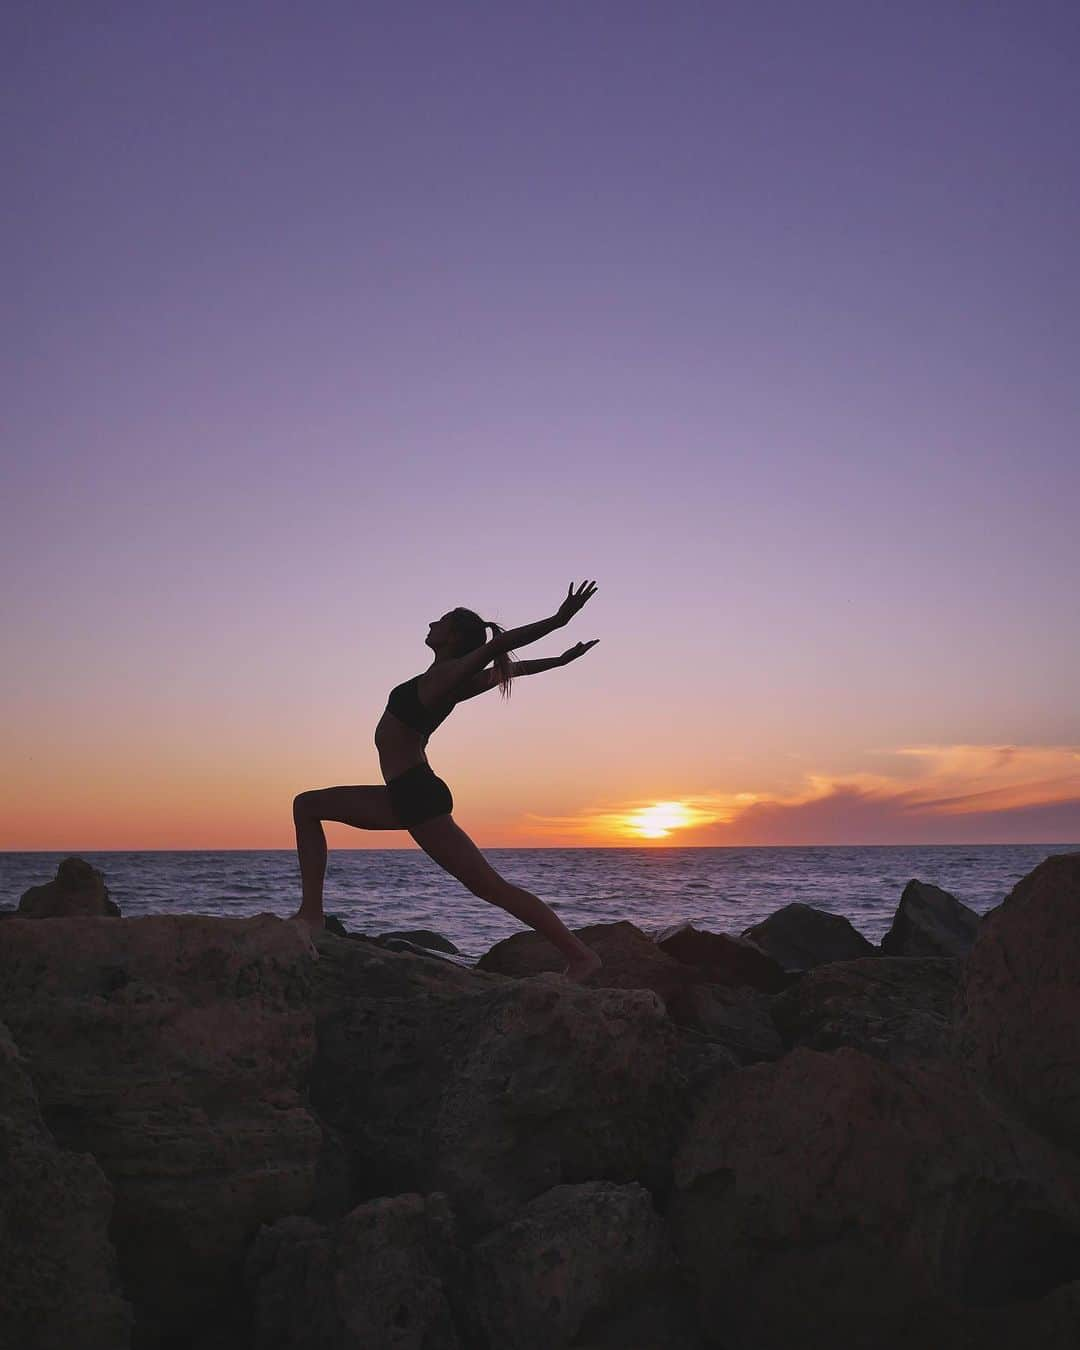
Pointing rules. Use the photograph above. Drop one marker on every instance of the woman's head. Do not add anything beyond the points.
(462, 631)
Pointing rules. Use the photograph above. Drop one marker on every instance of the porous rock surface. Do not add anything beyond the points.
(930, 922)
(58, 1284)
(895, 1008)
(800, 937)
(1019, 1023)
(838, 1200)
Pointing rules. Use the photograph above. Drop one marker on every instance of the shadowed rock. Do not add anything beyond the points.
(77, 889)
(895, 1008)
(58, 1286)
(377, 1278)
(588, 1264)
(836, 1200)
(930, 922)
(494, 1096)
(800, 937)
(723, 959)
(1020, 999)
(174, 1050)
(420, 937)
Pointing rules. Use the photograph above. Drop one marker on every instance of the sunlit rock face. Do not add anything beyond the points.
(1020, 999)
(838, 1200)
(930, 922)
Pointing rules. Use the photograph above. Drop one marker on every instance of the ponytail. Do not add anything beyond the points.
(503, 663)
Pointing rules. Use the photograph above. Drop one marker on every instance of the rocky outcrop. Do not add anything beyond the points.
(77, 890)
(380, 1277)
(490, 1090)
(838, 1200)
(894, 1008)
(1020, 999)
(723, 959)
(58, 1285)
(800, 937)
(420, 937)
(930, 922)
(175, 1050)
(588, 1264)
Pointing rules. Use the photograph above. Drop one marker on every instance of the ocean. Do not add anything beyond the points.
(722, 889)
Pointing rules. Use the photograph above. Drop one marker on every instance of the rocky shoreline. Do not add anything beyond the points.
(787, 1137)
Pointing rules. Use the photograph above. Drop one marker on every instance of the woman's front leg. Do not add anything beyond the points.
(365, 808)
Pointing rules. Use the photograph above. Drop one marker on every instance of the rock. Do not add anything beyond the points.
(175, 1050)
(594, 1256)
(837, 1200)
(800, 937)
(421, 937)
(490, 1090)
(58, 1289)
(740, 1020)
(77, 889)
(930, 922)
(1019, 1023)
(334, 925)
(723, 959)
(377, 1279)
(895, 1008)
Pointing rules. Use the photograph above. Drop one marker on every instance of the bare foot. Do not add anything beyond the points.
(306, 926)
(581, 967)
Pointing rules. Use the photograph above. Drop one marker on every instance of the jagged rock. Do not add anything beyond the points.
(722, 958)
(930, 922)
(834, 1199)
(631, 959)
(377, 1280)
(77, 889)
(421, 937)
(590, 1262)
(489, 1089)
(174, 1049)
(740, 1020)
(58, 1286)
(1020, 999)
(800, 937)
(895, 1008)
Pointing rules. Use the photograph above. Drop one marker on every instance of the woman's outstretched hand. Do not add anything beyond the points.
(574, 600)
(579, 650)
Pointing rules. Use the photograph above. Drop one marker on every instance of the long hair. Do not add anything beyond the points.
(472, 633)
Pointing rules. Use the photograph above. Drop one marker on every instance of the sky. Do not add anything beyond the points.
(330, 318)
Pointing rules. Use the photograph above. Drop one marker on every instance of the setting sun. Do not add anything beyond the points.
(657, 821)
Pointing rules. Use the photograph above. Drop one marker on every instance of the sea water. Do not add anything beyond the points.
(722, 889)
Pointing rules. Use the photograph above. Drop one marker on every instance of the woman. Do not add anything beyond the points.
(414, 799)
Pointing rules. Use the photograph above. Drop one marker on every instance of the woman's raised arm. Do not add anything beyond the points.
(529, 632)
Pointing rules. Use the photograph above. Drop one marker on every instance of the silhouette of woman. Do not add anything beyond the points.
(414, 799)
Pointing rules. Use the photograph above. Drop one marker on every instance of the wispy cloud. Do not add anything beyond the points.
(934, 794)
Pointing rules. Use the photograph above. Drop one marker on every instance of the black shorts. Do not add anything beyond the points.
(418, 795)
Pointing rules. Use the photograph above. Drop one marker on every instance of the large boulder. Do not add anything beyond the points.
(800, 937)
(58, 1285)
(175, 1050)
(77, 889)
(488, 1089)
(836, 1200)
(631, 959)
(930, 922)
(582, 1265)
(896, 1008)
(376, 1280)
(1020, 999)
(723, 959)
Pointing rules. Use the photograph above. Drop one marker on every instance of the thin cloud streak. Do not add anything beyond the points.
(958, 793)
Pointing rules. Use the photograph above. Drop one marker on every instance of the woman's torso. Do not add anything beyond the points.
(400, 745)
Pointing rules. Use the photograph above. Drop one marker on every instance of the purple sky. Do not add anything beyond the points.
(331, 317)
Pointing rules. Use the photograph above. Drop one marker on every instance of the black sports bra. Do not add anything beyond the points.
(404, 703)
